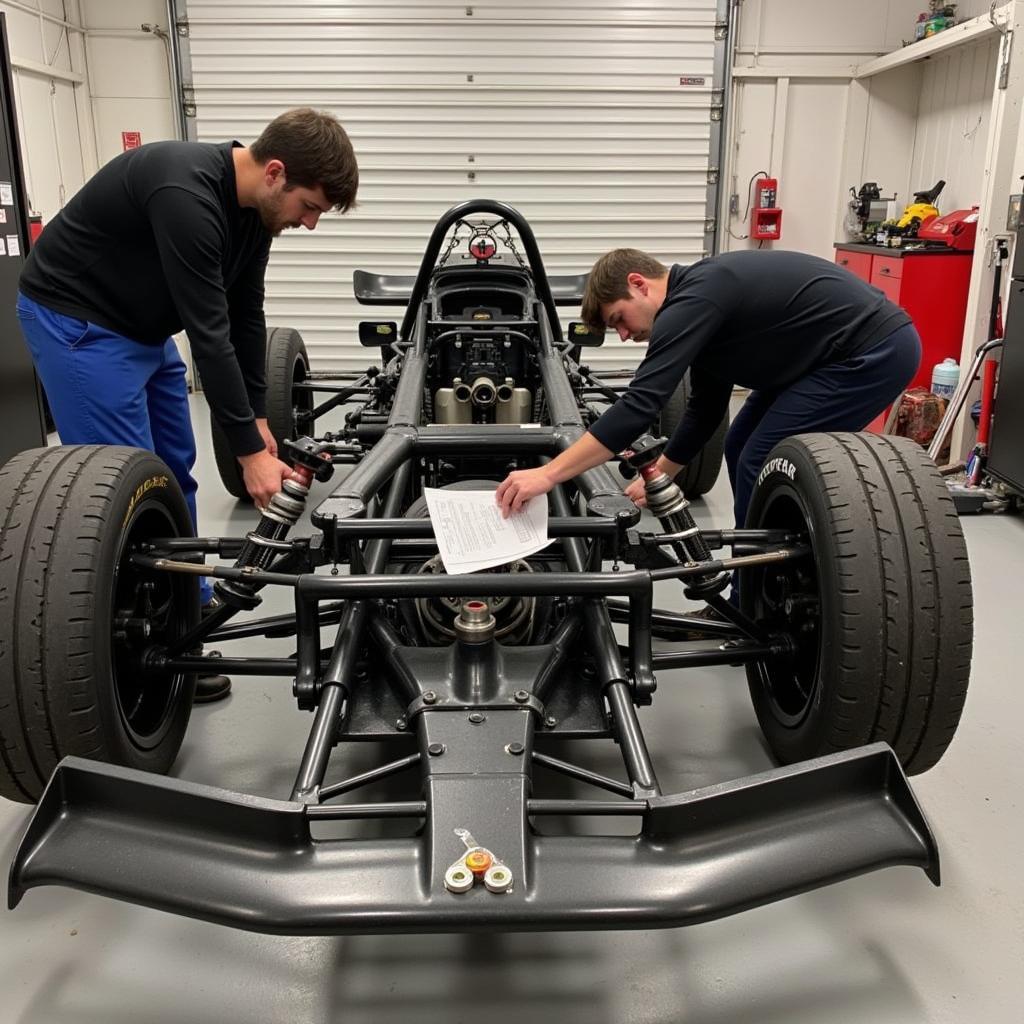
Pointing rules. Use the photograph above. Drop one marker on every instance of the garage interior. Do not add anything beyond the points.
(608, 123)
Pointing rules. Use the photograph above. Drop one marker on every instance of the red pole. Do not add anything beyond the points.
(988, 391)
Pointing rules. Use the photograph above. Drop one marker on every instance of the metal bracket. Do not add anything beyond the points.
(1004, 62)
(181, 24)
(188, 100)
(712, 175)
(721, 30)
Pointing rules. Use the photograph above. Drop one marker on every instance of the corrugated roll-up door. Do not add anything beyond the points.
(598, 119)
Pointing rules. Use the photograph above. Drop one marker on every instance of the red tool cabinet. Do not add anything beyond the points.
(930, 284)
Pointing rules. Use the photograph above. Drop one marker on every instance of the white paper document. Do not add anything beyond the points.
(471, 535)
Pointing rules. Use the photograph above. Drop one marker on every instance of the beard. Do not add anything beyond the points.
(269, 209)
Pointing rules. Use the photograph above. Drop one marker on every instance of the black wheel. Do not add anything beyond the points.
(287, 365)
(880, 615)
(76, 614)
(699, 475)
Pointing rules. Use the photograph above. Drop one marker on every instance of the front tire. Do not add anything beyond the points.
(70, 519)
(881, 613)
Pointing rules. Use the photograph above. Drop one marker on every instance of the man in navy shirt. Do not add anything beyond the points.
(819, 349)
(166, 237)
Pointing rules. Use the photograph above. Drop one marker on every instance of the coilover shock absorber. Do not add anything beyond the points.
(310, 460)
(667, 502)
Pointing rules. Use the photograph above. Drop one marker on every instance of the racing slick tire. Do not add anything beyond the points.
(881, 615)
(287, 364)
(699, 475)
(73, 608)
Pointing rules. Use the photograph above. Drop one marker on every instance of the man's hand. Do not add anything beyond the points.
(519, 487)
(263, 475)
(636, 493)
(268, 438)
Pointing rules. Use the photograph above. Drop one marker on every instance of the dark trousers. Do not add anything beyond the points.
(104, 388)
(844, 395)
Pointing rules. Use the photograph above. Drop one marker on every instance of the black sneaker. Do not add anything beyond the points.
(213, 687)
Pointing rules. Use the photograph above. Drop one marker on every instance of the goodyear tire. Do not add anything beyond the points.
(287, 364)
(881, 614)
(699, 475)
(71, 678)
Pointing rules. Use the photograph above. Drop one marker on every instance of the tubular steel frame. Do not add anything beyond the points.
(475, 713)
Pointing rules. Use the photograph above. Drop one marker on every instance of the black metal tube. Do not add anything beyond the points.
(551, 584)
(336, 679)
(631, 740)
(640, 605)
(307, 669)
(716, 564)
(602, 807)
(374, 775)
(375, 586)
(460, 440)
(584, 775)
(336, 375)
(341, 398)
(731, 613)
(357, 386)
(387, 640)
(558, 526)
(561, 643)
(226, 547)
(494, 330)
(393, 449)
(229, 666)
(699, 659)
(667, 622)
(341, 812)
(198, 633)
(278, 625)
(610, 672)
(727, 538)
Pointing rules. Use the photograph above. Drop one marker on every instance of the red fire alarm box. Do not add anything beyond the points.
(766, 216)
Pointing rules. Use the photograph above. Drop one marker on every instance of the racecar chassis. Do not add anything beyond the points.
(472, 680)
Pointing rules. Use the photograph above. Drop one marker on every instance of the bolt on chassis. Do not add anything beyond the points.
(853, 625)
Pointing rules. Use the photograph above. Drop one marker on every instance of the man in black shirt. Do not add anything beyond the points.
(172, 236)
(819, 349)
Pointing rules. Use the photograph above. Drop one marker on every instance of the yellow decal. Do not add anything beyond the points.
(146, 485)
(383, 328)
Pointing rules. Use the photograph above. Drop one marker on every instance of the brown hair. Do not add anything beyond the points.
(607, 282)
(315, 151)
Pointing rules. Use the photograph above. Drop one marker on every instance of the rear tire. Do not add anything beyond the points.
(70, 516)
(699, 475)
(882, 612)
(287, 364)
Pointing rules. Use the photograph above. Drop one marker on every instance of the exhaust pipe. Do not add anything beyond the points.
(483, 392)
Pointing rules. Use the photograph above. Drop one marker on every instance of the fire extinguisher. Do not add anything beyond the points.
(766, 215)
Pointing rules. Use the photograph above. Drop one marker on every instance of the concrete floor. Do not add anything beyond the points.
(887, 948)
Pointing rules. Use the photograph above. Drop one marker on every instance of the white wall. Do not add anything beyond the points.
(795, 100)
(129, 72)
(51, 98)
(84, 71)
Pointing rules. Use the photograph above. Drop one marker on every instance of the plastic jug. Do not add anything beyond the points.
(945, 377)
